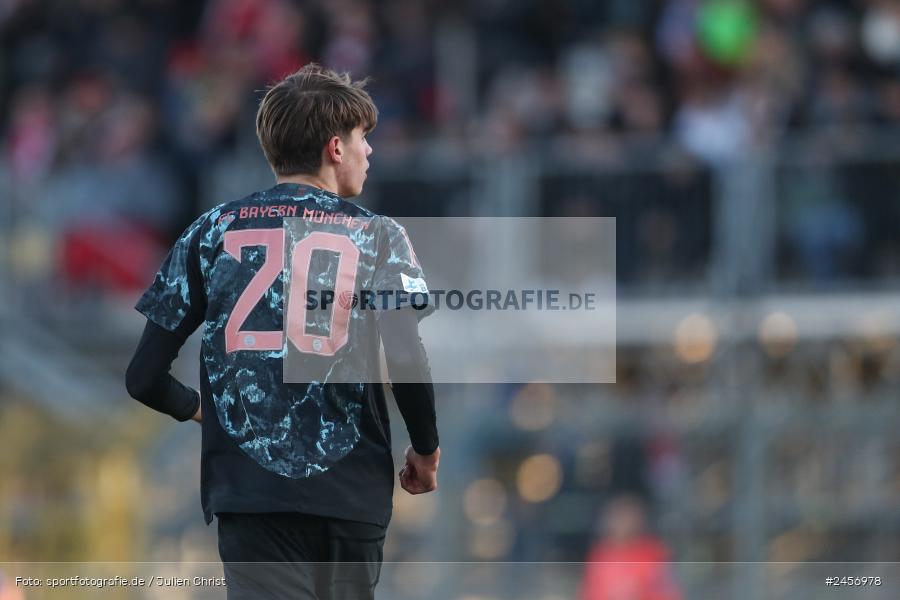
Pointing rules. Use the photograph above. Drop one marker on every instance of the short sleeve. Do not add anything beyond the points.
(399, 280)
(176, 300)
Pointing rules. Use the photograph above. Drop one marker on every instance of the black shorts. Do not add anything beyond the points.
(280, 556)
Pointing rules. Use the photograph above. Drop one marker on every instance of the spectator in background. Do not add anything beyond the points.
(110, 180)
(31, 136)
(628, 563)
(823, 228)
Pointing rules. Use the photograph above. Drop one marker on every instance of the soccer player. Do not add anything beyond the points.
(299, 475)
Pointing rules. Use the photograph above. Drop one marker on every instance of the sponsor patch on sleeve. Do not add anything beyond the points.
(413, 284)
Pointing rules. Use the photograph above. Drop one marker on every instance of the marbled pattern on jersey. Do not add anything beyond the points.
(168, 298)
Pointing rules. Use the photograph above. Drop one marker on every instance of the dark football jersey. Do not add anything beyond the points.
(315, 439)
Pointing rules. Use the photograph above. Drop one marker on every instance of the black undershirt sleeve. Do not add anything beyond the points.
(148, 379)
(408, 366)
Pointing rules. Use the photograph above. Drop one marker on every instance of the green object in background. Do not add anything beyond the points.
(726, 30)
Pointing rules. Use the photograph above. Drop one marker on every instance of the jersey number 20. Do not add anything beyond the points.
(295, 312)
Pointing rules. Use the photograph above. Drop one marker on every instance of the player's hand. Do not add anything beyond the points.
(419, 474)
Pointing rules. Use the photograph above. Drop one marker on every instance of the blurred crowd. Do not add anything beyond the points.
(114, 109)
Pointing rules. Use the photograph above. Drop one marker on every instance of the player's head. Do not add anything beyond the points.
(316, 120)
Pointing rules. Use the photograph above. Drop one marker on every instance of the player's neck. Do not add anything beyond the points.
(323, 181)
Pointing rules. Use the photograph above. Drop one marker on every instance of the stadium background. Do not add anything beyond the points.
(749, 151)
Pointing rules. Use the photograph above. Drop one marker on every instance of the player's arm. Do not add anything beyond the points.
(175, 305)
(414, 392)
(149, 381)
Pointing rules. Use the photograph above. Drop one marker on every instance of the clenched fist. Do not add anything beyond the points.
(419, 474)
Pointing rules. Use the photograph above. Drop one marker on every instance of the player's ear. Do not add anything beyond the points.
(334, 150)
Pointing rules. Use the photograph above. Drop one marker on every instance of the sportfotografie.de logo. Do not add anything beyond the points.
(488, 299)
